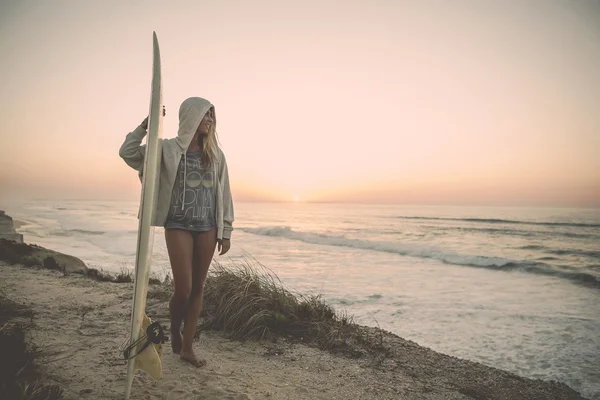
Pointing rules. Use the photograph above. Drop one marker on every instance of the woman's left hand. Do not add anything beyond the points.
(223, 246)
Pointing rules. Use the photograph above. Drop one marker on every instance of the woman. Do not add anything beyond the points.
(194, 206)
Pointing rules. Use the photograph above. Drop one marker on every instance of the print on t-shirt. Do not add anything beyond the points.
(193, 197)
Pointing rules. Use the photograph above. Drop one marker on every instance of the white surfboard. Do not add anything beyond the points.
(150, 180)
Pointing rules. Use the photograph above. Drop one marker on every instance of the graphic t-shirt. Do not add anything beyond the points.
(193, 197)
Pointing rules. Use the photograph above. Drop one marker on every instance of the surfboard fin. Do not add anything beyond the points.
(149, 359)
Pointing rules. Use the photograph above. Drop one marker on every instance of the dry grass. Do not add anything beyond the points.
(161, 290)
(250, 302)
(99, 275)
(125, 275)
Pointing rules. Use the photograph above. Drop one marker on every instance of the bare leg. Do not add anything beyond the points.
(204, 244)
(180, 245)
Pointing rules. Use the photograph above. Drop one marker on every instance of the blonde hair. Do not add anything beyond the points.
(210, 142)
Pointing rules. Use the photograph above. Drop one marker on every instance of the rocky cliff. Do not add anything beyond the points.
(7, 229)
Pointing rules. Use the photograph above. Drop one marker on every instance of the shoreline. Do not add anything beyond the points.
(81, 322)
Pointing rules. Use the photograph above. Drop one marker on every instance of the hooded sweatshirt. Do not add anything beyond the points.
(191, 112)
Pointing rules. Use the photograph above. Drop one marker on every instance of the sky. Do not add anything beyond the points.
(410, 102)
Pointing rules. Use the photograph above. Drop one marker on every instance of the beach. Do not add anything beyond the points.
(78, 324)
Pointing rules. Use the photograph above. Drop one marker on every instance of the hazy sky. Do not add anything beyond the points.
(485, 102)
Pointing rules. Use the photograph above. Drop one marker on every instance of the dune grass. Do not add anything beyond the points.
(248, 301)
(125, 275)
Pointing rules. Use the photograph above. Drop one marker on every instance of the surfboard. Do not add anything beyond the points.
(145, 236)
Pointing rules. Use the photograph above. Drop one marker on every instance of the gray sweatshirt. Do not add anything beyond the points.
(132, 151)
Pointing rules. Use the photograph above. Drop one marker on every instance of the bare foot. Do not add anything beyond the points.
(192, 359)
(176, 341)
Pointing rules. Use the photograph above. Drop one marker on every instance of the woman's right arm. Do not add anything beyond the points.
(132, 150)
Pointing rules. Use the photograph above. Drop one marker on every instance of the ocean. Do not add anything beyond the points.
(509, 287)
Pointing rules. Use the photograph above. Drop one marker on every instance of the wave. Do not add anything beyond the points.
(86, 232)
(564, 252)
(505, 221)
(510, 232)
(514, 232)
(532, 247)
(368, 299)
(575, 252)
(547, 259)
(524, 233)
(72, 232)
(448, 257)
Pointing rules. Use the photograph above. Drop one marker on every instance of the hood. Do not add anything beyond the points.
(191, 112)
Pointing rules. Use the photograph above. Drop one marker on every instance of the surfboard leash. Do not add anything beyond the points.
(154, 334)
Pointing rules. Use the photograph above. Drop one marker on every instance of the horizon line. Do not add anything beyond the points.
(389, 203)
